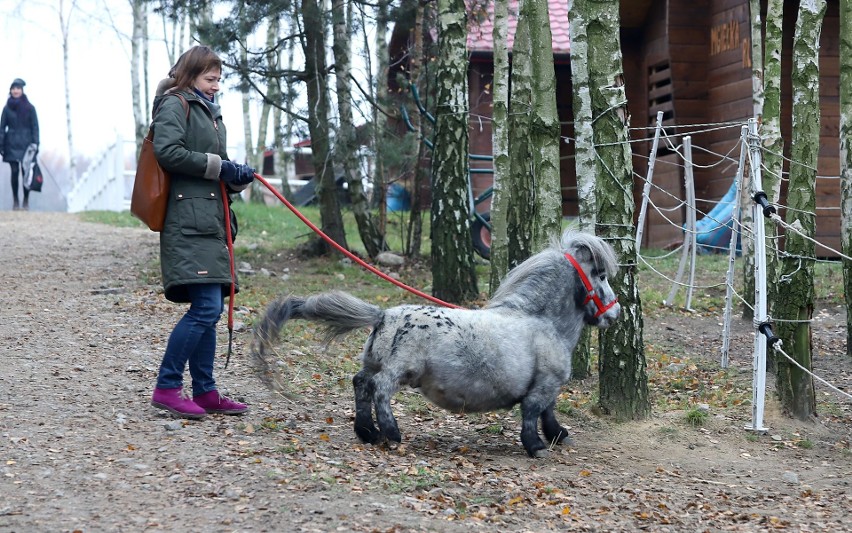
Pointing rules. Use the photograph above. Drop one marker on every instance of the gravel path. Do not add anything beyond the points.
(82, 450)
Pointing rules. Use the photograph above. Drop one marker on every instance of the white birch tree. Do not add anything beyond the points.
(66, 11)
(622, 367)
(500, 143)
(453, 272)
(795, 298)
(585, 161)
(773, 143)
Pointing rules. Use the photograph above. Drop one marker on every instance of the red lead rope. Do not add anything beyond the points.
(230, 241)
(319, 232)
(346, 252)
(592, 295)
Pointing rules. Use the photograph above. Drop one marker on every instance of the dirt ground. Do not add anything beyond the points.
(81, 449)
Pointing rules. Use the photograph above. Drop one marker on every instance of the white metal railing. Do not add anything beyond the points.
(102, 185)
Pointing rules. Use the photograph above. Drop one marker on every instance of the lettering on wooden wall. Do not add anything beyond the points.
(724, 37)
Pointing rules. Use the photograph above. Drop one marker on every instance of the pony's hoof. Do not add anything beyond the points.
(562, 438)
(536, 450)
(393, 436)
(368, 435)
(541, 454)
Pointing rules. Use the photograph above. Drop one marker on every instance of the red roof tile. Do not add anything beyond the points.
(481, 26)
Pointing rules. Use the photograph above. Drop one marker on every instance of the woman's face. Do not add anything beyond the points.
(16, 91)
(208, 83)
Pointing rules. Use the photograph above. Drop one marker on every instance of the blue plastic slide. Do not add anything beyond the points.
(713, 232)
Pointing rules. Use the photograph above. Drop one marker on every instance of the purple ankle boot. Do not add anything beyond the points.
(171, 401)
(213, 402)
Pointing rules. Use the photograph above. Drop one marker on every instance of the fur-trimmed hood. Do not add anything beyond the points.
(165, 86)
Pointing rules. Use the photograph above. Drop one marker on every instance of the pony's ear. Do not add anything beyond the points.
(583, 253)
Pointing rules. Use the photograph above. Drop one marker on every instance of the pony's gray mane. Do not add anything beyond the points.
(603, 256)
(538, 277)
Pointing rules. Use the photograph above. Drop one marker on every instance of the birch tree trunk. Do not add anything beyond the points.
(520, 187)
(773, 143)
(141, 121)
(584, 158)
(500, 144)
(345, 148)
(453, 272)
(281, 127)
(795, 303)
(65, 29)
(846, 158)
(415, 221)
(259, 155)
(246, 103)
(544, 128)
(316, 82)
(623, 377)
(146, 97)
(756, 57)
(379, 122)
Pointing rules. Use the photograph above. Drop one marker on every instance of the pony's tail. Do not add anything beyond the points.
(338, 312)
(263, 355)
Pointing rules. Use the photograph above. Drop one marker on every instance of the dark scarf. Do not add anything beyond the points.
(201, 94)
(21, 106)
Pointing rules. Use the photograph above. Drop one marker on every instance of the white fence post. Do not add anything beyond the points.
(736, 229)
(689, 239)
(760, 316)
(646, 191)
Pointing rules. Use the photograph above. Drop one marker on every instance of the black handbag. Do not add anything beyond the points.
(36, 179)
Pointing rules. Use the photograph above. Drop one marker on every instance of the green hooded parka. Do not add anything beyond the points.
(193, 246)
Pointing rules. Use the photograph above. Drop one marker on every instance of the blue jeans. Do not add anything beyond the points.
(194, 340)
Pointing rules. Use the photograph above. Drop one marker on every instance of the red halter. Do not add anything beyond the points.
(592, 295)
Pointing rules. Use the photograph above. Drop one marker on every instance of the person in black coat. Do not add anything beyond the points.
(18, 130)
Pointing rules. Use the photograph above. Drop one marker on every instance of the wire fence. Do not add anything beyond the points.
(680, 144)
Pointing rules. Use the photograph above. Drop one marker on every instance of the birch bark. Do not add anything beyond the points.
(622, 368)
(795, 297)
(453, 272)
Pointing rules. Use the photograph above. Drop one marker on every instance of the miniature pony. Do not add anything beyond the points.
(516, 349)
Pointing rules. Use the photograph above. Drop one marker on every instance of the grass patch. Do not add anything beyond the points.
(667, 432)
(805, 444)
(121, 219)
(422, 478)
(494, 429)
(696, 417)
(289, 449)
(412, 402)
(277, 228)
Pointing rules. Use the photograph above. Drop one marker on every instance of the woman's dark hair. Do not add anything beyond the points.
(193, 63)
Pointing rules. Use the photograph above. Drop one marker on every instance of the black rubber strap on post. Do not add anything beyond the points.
(761, 198)
(766, 329)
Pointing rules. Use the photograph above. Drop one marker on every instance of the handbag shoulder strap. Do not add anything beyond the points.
(183, 103)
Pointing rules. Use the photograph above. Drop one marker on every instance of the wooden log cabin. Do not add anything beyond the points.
(690, 59)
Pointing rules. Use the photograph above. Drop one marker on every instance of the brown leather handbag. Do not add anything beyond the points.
(151, 184)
